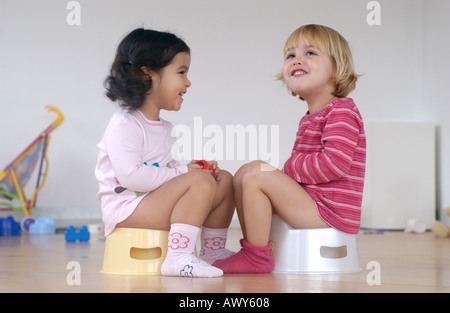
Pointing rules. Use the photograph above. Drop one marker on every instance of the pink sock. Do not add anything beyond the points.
(180, 259)
(213, 242)
(251, 259)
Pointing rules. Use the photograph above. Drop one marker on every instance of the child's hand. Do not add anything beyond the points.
(193, 166)
(214, 165)
(214, 169)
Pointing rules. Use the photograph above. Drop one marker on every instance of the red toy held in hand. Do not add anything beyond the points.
(205, 165)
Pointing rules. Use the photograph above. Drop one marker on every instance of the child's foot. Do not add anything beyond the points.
(213, 241)
(251, 259)
(188, 265)
(180, 259)
(210, 256)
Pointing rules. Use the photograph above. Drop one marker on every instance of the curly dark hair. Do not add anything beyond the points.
(127, 83)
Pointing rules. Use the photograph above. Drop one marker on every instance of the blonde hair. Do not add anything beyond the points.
(328, 41)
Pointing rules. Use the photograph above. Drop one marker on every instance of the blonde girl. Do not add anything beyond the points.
(321, 184)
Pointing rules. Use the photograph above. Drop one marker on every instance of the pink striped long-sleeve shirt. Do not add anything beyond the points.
(328, 160)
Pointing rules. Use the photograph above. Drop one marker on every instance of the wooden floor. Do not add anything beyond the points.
(408, 263)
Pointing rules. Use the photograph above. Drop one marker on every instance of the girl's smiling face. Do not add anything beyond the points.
(307, 71)
(169, 86)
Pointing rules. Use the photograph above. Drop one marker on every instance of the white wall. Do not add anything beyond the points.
(236, 53)
(436, 51)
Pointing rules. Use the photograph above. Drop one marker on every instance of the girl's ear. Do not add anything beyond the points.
(148, 72)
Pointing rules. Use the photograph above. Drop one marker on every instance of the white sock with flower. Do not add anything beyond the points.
(213, 242)
(180, 259)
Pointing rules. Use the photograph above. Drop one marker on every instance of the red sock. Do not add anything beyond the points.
(251, 259)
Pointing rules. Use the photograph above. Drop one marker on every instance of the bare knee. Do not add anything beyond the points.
(244, 171)
(252, 172)
(203, 180)
(225, 185)
(225, 178)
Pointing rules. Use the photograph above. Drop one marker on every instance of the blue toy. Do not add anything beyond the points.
(9, 227)
(82, 235)
(42, 226)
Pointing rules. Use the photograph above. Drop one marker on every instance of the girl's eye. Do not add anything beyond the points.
(311, 53)
(290, 56)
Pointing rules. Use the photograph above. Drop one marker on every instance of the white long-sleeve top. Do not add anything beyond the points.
(124, 171)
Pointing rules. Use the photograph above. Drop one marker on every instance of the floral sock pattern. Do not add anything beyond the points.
(180, 259)
(213, 242)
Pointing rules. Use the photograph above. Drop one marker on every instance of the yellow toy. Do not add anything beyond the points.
(439, 228)
(17, 173)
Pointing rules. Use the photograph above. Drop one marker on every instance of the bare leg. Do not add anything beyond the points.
(260, 192)
(215, 228)
(183, 204)
(238, 196)
(223, 202)
(184, 199)
(193, 198)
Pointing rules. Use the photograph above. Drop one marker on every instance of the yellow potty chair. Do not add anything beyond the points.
(135, 251)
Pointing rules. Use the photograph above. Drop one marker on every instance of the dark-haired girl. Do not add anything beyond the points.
(140, 183)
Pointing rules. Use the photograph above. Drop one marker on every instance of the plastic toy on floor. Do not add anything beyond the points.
(42, 226)
(9, 227)
(72, 235)
(16, 174)
(439, 228)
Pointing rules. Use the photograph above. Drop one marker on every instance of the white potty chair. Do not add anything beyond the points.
(320, 250)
